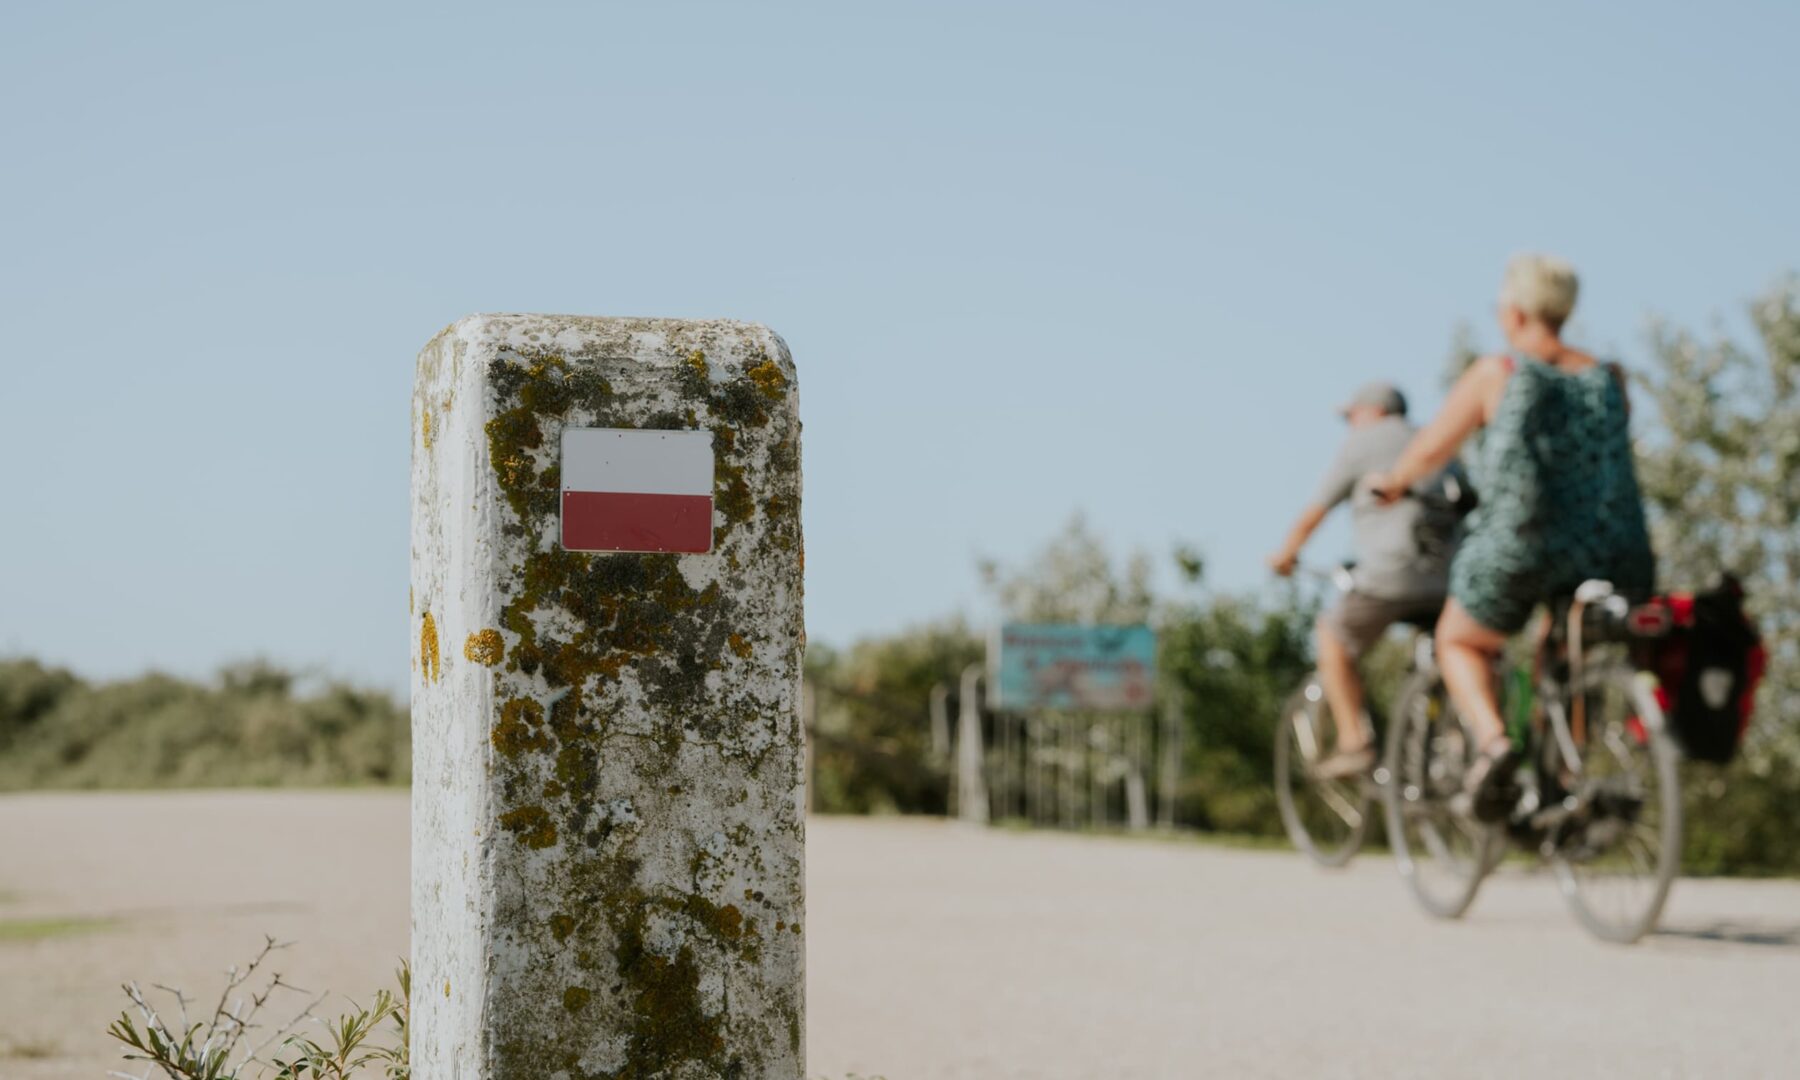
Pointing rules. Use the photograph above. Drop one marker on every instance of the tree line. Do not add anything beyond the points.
(1718, 437)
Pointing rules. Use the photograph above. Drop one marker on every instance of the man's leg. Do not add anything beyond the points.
(1343, 687)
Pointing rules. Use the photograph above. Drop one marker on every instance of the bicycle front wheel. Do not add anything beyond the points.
(1443, 854)
(1619, 849)
(1327, 819)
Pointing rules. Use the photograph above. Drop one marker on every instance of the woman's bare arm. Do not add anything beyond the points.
(1464, 411)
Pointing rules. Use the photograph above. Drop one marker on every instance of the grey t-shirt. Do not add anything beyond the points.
(1403, 550)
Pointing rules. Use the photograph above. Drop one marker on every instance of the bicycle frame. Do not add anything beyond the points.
(1560, 719)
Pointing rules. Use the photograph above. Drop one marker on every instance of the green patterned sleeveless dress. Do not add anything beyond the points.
(1559, 497)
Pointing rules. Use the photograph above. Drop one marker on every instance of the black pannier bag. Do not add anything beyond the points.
(1708, 659)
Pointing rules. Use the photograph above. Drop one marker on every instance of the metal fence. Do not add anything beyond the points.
(1044, 769)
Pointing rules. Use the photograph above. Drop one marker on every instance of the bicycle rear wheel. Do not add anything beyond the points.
(1620, 848)
(1443, 855)
(1327, 819)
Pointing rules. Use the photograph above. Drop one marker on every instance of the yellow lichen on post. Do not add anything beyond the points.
(769, 379)
(428, 649)
(485, 647)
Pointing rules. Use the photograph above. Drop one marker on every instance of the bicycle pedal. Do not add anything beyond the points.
(1498, 808)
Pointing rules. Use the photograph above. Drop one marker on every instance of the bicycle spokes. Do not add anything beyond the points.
(1339, 801)
(1617, 846)
(1443, 854)
(1325, 817)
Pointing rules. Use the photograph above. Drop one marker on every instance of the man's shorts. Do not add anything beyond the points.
(1358, 620)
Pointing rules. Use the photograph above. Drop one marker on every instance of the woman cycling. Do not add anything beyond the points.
(1559, 497)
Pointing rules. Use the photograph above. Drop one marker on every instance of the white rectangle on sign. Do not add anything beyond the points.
(634, 460)
(634, 490)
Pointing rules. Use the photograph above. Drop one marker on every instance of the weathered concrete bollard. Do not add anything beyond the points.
(971, 752)
(607, 833)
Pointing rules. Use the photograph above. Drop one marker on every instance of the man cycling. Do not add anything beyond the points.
(1402, 562)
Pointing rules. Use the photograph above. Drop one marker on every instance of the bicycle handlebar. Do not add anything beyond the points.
(1456, 495)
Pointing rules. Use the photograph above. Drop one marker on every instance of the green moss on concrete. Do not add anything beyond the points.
(531, 824)
(731, 494)
(520, 728)
(591, 633)
(535, 388)
(669, 1026)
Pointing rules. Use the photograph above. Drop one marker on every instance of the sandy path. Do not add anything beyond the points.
(193, 882)
(936, 952)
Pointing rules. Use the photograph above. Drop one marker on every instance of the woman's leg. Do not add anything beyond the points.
(1466, 653)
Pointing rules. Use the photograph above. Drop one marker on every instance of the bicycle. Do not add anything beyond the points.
(1598, 796)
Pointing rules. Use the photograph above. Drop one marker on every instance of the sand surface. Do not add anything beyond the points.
(940, 952)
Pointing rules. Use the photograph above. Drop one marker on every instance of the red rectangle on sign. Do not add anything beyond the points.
(630, 521)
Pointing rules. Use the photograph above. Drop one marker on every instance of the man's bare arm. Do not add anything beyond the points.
(1283, 561)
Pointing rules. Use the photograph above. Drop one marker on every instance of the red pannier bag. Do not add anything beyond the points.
(1708, 659)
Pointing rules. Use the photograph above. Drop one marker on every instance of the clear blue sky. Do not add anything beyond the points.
(1030, 258)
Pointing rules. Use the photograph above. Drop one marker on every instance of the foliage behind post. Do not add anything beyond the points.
(872, 743)
(1233, 660)
(1073, 580)
(1721, 473)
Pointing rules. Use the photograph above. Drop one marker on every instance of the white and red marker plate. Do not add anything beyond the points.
(632, 490)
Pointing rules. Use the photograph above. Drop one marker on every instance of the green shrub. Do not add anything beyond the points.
(1740, 819)
(253, 727)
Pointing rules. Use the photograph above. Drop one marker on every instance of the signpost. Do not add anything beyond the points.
(1056, 672)
(608, 855)
(1073, 667)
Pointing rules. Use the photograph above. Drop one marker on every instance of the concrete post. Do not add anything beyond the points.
(1095, 744)
(940, 722)
(1137, 800)
(1170, 747)
(971, 786)
(607, 832)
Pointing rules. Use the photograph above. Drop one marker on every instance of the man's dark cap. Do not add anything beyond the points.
(1383, 395)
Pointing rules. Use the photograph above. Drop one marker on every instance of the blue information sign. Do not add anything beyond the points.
(1065, 666)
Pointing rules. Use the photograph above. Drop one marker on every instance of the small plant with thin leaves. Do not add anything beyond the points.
(347, 1051)
(231, 1042)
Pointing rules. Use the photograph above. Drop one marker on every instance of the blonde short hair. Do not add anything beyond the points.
(1542, 286)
